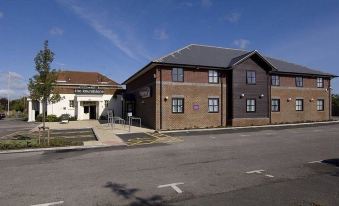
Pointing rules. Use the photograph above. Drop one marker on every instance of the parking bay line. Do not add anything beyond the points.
(255, 171)
(50, 203)
(318, 161)
(174, 186)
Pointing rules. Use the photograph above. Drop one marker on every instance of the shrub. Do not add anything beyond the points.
(52, 118)
(49, 118)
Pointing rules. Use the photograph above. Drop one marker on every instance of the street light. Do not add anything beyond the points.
(9, 78)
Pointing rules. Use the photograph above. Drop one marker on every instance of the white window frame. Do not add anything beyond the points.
(275, 80)
(251, 105)
(177, 74)
(275, 107)
(299, 107)
(320, 107)
(213, 76)
(178, 105)
(213, 105)
(320, 82)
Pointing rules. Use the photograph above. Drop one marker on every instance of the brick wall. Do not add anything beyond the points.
(287, 89)
(144, 107)
(196, 90)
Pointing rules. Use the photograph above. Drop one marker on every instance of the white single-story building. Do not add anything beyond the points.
(84, 95)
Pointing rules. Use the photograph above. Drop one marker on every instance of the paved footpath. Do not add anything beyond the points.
(269, 167)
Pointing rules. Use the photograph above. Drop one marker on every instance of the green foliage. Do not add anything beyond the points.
(335, 105)
(33, 143)
(41, 86)
(52, 118)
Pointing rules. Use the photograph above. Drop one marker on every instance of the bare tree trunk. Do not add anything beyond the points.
(43, 115)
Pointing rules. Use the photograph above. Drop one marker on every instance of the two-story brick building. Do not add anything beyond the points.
(203, 86)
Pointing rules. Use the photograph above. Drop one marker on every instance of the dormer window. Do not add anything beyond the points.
(250, 77)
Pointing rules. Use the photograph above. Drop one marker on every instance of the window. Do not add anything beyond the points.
(177, 75)
(250, 105)
(178, 105)
(106, 103)
(250, 76)
(213, 105)
(275, 105)
(299, 104)
(275, 80)
(320, 82)
(320, 105)
(213, 76)
(86, 109)
(299, 82)
(71, 103)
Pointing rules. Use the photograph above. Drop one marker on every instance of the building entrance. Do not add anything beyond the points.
(92, 112)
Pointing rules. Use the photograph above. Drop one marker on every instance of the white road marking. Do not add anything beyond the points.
(212, 137)
(319, 161)
(50, 203)
(174, 186)
(255, 171)
(244, 135)
(269, 176)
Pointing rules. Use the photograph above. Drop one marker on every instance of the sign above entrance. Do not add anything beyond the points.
(145, 92)
(88, 91)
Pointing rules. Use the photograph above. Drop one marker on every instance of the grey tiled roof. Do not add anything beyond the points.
(209, 56)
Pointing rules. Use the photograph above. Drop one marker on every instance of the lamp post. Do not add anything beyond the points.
(9, 78)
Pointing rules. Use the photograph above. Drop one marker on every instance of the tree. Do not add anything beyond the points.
(41, 86)
(335, 105)
(3, 104)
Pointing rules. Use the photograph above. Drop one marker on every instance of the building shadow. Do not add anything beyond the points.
(124, 192)
(333, 162)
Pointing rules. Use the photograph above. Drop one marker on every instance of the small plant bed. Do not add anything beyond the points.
(58, 138)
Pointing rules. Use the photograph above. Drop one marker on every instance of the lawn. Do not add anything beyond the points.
(27, 140)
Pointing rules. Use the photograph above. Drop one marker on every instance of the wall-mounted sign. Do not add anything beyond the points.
(88, 91)
(145, 92)
(196, 107)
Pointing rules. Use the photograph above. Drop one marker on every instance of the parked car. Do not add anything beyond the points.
(2, 115)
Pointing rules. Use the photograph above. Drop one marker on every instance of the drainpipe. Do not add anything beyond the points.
(269, 94)
(221, 101)
(329, 100)
(160, 70)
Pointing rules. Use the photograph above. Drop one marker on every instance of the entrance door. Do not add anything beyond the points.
(92, 112)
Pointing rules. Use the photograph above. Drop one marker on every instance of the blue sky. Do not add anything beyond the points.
(117, 38)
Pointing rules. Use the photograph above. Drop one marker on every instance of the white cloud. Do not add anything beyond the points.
(121, 37)
(161, 34)
(56, 31)
(17, 85)
(206, 3)
(1, 14)
(233, 17)
(241, 43)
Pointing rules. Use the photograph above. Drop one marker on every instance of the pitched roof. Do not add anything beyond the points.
(80, 77)
(210, 56)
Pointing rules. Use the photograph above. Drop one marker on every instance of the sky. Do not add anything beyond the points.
(117, 38)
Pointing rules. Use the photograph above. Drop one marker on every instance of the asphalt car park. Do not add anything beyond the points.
(295, 166)
(11, 125)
